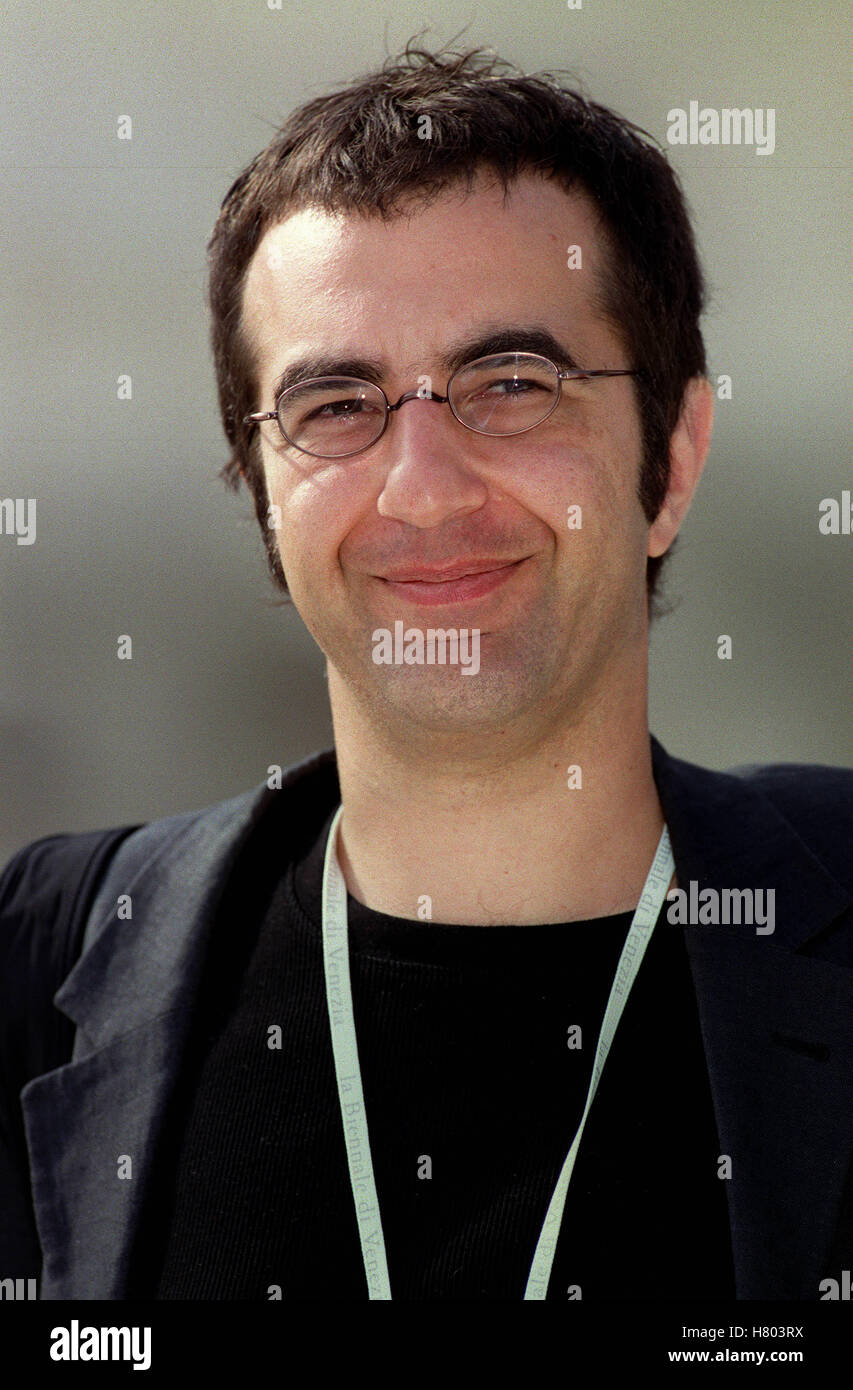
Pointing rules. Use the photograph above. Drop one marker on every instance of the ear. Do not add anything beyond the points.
(688, 449)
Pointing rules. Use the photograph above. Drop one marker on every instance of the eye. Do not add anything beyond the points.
(515, 386)
(334, 410)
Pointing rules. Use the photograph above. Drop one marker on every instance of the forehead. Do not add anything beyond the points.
(402, 288)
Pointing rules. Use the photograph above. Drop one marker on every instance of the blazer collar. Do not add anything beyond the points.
(724, 833)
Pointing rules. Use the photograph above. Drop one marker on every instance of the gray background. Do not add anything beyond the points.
(103, 270)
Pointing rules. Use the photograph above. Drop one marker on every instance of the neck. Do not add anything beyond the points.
(497, 837)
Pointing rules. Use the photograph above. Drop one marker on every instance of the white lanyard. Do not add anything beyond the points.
(348, 1071)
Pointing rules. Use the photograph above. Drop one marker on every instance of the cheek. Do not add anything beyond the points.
(315, 512)
(580, 493)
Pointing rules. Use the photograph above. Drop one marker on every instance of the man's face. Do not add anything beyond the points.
(570, 615)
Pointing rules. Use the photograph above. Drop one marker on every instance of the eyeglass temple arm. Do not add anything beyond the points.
(256, 419)
(605, 371)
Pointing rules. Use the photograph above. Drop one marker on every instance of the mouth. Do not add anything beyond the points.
(469, 581)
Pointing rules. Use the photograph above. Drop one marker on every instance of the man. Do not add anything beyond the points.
(453, 1041)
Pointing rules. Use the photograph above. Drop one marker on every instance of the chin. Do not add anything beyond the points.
(446, 701)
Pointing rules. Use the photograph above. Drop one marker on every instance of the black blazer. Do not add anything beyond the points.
(776, 1013)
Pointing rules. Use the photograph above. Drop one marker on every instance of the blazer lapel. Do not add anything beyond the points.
(775, 1020)
(92, 1125)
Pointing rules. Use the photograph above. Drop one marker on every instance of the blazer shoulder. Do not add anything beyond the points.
(45, 892)
(802, 788)
(48, 874)
(47, 880)
(816, 800)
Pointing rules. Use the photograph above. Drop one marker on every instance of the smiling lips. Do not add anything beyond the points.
(465, 580)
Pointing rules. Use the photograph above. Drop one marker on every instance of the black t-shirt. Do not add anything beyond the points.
(473, 1096)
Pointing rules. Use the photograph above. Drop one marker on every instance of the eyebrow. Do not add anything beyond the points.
(505, 337)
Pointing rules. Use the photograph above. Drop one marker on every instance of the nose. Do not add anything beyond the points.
(428, 479)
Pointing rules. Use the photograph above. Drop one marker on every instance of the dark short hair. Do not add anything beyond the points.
(358, 149)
